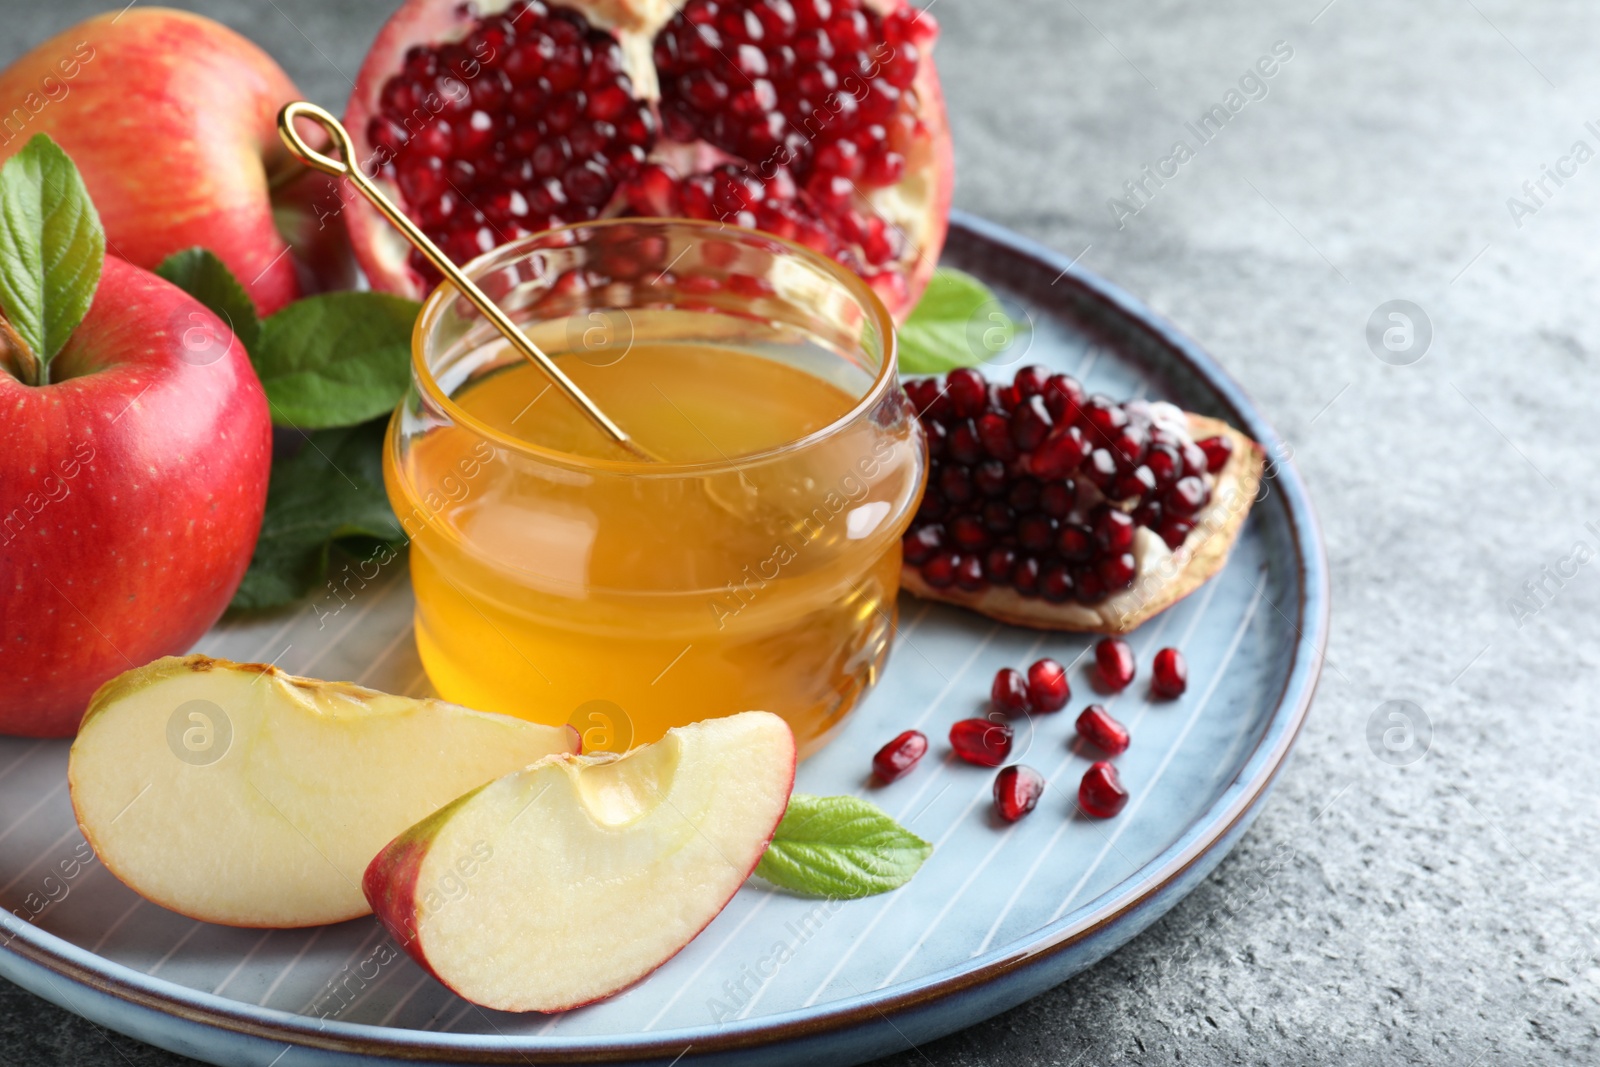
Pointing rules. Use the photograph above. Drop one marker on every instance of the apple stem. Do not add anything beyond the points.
(20, 360)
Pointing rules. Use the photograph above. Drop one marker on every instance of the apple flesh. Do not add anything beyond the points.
(238, 794)
(571, 880)
(131, 492)
(171, 119)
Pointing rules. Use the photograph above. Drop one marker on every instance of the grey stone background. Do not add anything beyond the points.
(1434, 912)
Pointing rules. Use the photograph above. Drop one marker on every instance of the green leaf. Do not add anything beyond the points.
(332, 489)
(336, 359)
(198, 272)
(52, 246)
(840, 847)
(957, 323)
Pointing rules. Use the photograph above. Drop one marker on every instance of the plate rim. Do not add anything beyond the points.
(1235, 804)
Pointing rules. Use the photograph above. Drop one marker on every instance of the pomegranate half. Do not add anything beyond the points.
(820, 121)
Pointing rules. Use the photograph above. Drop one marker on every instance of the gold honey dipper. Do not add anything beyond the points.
(342, 168)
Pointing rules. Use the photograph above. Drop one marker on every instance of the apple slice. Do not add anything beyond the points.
(235, 793)
(568, 881)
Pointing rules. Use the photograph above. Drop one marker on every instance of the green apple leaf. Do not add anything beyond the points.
(958, 323)
(200, 273)
(336, 359)
(842, 848)
(330, 491)
(52, 247)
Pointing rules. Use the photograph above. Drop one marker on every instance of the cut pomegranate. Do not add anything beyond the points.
(1114, 658)
(1010, 692)
(896, 759)
(1075, 501)
(1101, 794)
(1048, 688)
(820, 121)
(1169, 676)
(1096, 726)
(981, 741)
(1017, 790)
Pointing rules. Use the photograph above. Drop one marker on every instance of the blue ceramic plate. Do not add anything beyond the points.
(998, 914)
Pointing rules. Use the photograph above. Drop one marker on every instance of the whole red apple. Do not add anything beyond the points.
(170, 119)
(131, 492)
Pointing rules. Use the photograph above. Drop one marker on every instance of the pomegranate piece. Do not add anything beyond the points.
(897, 759)
(982, 742)
(1101, 794)
(1048, 688)
(1081, 491)
(1096, 726)
(1010, 693)
(1016, 791)
(1169, 675)
(1114, 658)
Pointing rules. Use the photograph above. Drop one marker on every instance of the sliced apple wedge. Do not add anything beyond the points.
(568, 881)
(235, 793)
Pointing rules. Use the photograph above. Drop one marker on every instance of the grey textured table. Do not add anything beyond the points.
(1434, 911)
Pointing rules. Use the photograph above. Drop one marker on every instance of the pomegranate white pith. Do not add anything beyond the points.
(820, 121)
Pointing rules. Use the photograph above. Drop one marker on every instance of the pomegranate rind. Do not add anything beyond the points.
(918, 205)
(1195, 562)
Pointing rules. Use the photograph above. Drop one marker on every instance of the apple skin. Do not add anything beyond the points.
(171, 119)
(131, 493)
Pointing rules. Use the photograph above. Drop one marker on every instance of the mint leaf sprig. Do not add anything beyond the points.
(52, 249)
(840, 847)
(959, 322)
(333, 366)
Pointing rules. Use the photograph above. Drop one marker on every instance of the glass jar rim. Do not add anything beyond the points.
(436, 302)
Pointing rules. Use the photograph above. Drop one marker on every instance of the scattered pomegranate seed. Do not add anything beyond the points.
(1115, 659)
(1010, 692)
(1096, 726)
(1169, 676)
(1101, 794)
(1048, 688)
(982, 742)
(1016, 791)
(896, 759)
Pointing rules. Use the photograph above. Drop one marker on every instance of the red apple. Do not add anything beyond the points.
(170, 118)
(131, 492)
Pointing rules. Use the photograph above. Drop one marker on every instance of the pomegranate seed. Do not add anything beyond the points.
(896, 759)
(1025, 577)
(964, 444)
(1117, 573)
(1174, 531)
(1036, 532)
(1030, 422)
(969, 533)
(1010, 693)
(1056, 584)
(1169, 675)
(968, 392)
(1025, 494)
(1063, 396)
(1187, 496)
(995, 433)
(940, 571)
(1096, 726)
(1114, 657)
(1016, 791)
(922, 544)
(1057, 498)
(1030, 381)
(1217, 450)
(990, 478)
(969, 574)
(1165, 464)
(1101, 794)
(1059, 454)
(980, 741)
(1048, 688)
(1113, 530)
(1000, 565)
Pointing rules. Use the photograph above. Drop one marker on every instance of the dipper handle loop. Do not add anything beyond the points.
(347, 167)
